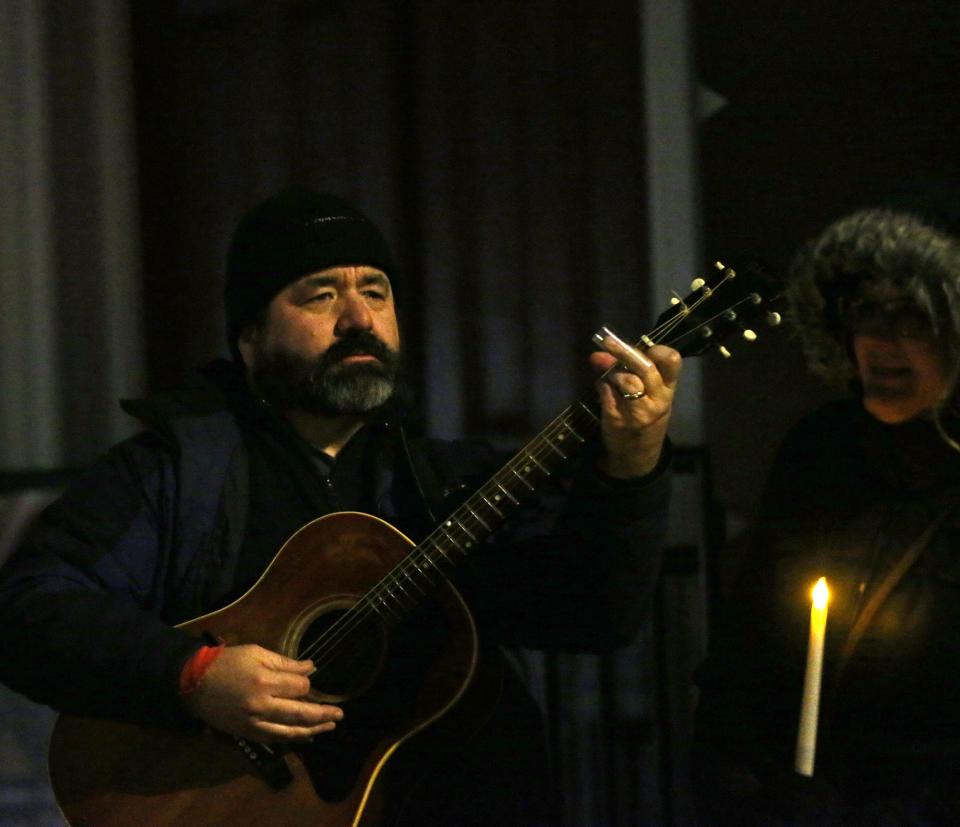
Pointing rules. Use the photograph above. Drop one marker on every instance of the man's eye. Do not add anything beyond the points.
(376, 295)
(321, 297)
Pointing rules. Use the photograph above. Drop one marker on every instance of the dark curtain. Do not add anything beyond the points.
(499, 143)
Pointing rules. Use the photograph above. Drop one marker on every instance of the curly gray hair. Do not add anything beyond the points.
(868, 247)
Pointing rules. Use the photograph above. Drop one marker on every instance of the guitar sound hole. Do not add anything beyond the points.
(348, 652)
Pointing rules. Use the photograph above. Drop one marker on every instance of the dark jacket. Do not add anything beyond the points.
(846, 498)
(160, 531)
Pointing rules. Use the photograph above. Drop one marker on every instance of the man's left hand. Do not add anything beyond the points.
(635, 401)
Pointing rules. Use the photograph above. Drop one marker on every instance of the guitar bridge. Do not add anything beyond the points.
(268, 762)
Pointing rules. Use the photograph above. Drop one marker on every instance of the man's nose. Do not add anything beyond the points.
(354, 314)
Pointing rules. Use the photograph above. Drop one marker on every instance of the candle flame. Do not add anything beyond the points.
(820, 594)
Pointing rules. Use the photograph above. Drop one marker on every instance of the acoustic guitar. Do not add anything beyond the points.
(392, 640)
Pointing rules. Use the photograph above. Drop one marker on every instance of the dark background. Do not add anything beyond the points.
(502, 146)
(498, 143)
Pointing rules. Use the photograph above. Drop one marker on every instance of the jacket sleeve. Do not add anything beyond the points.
(576, 570)
(82, 625)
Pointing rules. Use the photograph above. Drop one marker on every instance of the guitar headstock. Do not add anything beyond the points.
(718, 310)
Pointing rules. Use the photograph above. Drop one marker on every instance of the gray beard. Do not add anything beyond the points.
(322, 386)
(353, 392)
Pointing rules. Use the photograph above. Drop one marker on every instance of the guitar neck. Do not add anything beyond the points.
(485, 510)
(463, 531)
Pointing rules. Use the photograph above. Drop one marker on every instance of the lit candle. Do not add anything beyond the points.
(807, 732)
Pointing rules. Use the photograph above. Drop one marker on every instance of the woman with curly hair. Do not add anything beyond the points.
(864, 491)
(870, 270)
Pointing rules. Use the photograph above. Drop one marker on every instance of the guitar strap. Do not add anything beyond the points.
(893, 576)
(428, 484)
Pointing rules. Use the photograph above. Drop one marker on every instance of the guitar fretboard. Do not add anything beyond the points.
(463, 531)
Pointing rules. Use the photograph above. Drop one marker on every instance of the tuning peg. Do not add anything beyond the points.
(729, 272)
(706, 331)
(677, 301)
(774, 318)
(731, 316)
(726, 354)
(755, 298)
(701, 284)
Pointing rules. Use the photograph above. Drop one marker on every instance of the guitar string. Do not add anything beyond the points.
(357, 615)
(467, 521)
(404, 570)
(407, 569)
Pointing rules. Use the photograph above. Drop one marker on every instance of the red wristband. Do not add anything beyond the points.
(199, 663)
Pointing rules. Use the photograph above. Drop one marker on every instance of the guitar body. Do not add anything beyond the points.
(392, 680)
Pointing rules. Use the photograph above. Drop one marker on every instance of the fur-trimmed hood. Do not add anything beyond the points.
(867, 247)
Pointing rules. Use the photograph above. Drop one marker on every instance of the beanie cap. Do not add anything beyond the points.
(289, 236)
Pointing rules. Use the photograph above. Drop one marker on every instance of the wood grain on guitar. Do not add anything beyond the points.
(393, 641)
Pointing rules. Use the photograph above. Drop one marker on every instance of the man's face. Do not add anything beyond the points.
(329, 343)
(899, 360)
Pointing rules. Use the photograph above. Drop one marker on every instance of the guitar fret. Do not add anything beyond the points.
(425, 559)
(477, 518)
(472, 540)
(423, 574)
(464, 529)
(508, 494)
(412, 582)
(387, 606)
(539, 464)
(491, 506)
(555, 448)
(450, 538)
(398, 585)
(572, 431)
(588, 412)
(440, 548)
(517, 475)
(437, 562)
(376, 609)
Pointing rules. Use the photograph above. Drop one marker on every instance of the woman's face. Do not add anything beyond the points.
(902, 378)
(899, 360)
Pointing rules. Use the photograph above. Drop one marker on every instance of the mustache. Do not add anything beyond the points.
(357, 342)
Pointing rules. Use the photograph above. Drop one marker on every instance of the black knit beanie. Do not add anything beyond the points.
(289, 236)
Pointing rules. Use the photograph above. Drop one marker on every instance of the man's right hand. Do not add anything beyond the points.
(260, 695)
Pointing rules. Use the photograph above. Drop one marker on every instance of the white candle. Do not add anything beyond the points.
(807, 731)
